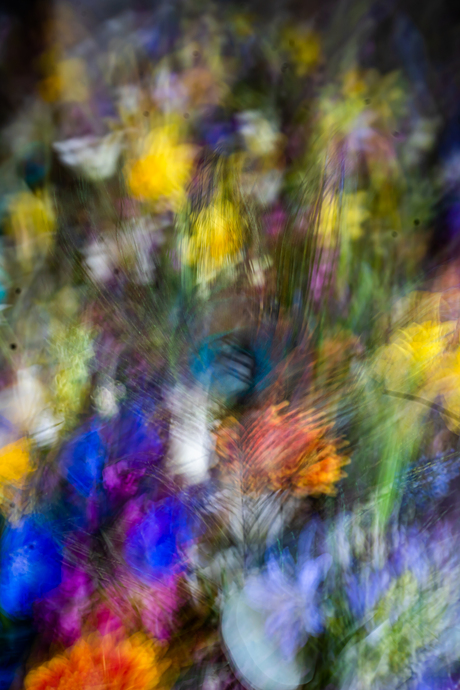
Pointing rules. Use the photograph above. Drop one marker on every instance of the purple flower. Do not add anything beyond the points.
(365, 588)
(155, 546)
(289, 600)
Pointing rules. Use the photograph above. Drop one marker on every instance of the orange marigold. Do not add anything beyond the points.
(105, 663)
(282, 451)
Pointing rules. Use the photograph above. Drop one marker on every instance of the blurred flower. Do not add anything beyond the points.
(304, 46)
(364, 590)
(169, 92)
(275, 221)
(26, 405)
(413, 355)
(82, 461)
(15, 464)
(104, 662)
(132, 602)
(288, 451)
(68, 82)
(191, 443)
(445, 381)
(290, 602)
(101, 258)
(32, 221)
(155, 546)
(139, 244)
(216, 240)
(354, 124)
(30, 566)
(346, 214)
(259, 134)
(62, 612)
(94, 157)
(163, 169)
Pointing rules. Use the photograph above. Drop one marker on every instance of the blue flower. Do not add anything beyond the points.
(289, 600)
(83, 461)
(154, 547)
(30, 566)
(364, 589)
(131, 437)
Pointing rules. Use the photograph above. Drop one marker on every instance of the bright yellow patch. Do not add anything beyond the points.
(349, 211)
(31, 221)
(163, 170)
(68, 82)
(14, 462)
(414, 355)
(217, 238)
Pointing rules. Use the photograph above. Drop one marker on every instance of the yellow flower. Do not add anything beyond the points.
(329, 218)
(354, 214)
(14, 463)
(164, 168)
(68, 82)
(31, 221)
(347, 213)
(105, 663)
(353, 84)
(446, 383)
(304, 47)
(414, 355)
(217, 238)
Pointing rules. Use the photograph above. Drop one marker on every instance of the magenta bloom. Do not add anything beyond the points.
(62, 613)
(275, 221)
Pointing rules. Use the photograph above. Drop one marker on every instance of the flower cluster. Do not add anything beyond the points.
(230, 348)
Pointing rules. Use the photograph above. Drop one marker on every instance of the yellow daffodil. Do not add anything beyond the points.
(217, 238)
(164, 168)
(414, 355)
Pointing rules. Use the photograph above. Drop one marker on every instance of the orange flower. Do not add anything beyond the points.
(105, 663)
(282, 451)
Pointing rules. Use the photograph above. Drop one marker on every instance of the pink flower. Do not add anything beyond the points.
(275, 221)
(62, 612)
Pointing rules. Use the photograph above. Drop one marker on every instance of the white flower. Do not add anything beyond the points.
(25, 406)
(169, 92)
(129, 99)
(191, 444)
(95, 158)
(260, 135)
(106, 400)
(140, 237)
(101, 257)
